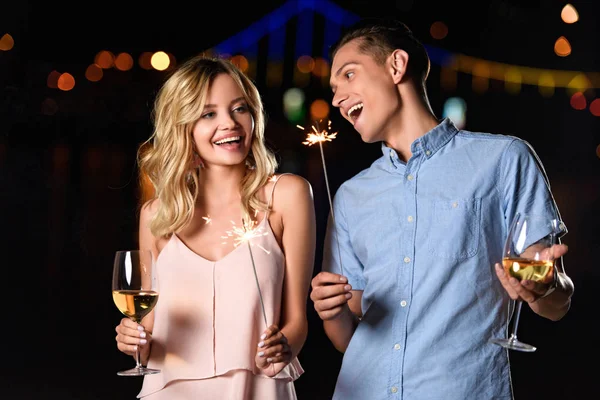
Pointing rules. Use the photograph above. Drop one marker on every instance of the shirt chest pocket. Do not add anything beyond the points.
(454, 230)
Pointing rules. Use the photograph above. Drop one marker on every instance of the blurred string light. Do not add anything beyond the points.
(569, 14)
(514, 76)
(6, 42)
(455, 108)
(245, 42)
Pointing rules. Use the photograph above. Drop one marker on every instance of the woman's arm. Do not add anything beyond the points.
(294, 202)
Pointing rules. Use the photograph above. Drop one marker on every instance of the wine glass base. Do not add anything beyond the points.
(141, 371)
(514, 344)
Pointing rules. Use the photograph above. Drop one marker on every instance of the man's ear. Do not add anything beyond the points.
(399, 62)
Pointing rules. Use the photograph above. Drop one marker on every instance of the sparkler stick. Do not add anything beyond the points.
(320, 136)
(245, 234)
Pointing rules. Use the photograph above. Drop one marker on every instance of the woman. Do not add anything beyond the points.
(231, 316)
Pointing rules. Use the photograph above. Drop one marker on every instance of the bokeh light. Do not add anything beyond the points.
(52, 80)
(66, 82)
(438, 30)
(562, 47)
(569, 14)
(319, 109)
(105, 59)
(6, 42)
(123, 62)
(293, 104)
(94, 73)
(595, 107)
(241, 62)
(160, 61)
(144, 60)
(455, 108)
(578, 101)
(305, 64)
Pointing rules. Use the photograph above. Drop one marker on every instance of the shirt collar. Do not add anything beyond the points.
(428, 144)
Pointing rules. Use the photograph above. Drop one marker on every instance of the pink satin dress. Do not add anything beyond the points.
(208, 322)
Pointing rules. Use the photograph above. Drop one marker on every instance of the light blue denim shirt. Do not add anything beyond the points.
(420, 239)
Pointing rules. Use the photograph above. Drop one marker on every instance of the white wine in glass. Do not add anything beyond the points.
(135, 293)
(528, 256)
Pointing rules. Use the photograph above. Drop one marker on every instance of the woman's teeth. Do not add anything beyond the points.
(229, 140)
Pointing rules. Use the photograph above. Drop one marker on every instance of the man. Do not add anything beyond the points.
(411, 290)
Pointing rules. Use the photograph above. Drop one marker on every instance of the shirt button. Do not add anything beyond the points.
(409, 177)
(428, 152)
(403, 303)
(454, 205)
(397, 346)
(394, 389)
(406, 260)
(410, 218)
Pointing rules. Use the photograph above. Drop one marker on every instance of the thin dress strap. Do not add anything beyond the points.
(270, 204)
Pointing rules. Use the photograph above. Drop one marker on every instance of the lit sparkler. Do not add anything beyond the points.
(319, 136)
(245, 234)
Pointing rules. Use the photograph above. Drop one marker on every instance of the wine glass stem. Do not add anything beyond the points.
(516, 322)
(138, 363)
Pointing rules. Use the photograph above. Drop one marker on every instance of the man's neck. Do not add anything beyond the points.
(413, 121)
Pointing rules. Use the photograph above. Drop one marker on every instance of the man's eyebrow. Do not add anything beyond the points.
(339, 71)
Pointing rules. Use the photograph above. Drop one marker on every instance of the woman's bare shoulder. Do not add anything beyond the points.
(291, 189)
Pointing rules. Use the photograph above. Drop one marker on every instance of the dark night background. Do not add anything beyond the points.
(68, 190)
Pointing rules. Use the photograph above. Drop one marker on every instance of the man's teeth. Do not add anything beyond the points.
(229, 139)
(355, 108)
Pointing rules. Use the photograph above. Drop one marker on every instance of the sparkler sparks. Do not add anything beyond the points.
(245, 234)
(207, 219)
(320, 136)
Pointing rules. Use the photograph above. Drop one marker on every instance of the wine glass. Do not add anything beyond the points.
(135, 293)
(528, 256)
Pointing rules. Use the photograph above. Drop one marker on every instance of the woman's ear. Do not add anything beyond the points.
(399, 62)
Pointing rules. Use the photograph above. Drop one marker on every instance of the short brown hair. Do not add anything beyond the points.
(379, 37)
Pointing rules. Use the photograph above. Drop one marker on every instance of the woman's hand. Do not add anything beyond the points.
(272, 349)
(130, 336)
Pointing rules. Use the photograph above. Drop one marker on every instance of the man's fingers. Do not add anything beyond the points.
(324, 292)
(325, 278)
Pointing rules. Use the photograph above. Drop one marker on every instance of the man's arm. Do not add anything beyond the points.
(338, 306)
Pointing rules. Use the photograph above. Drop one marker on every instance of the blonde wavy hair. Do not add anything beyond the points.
(166, 159)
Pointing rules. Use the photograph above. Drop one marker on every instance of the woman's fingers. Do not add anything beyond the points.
(130, 335)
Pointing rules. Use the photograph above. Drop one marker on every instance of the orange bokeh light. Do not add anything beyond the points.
(52, 80)
(319, 109)
(241, 62)
(94, 73)
(305, 64)
(144, 60)
(562, 47)
(105, 59)
(123, 62)
(66, 82)
(438, 30)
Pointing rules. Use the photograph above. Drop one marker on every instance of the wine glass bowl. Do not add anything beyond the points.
(135, 293)
(528, 256)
